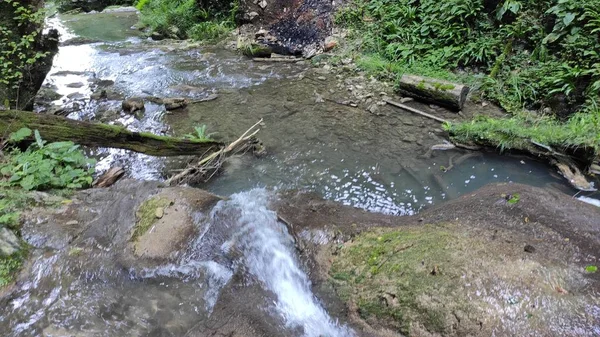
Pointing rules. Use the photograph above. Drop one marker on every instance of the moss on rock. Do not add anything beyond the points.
(446, 280)
(146, 214)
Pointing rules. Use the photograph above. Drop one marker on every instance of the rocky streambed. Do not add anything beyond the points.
(304, 241)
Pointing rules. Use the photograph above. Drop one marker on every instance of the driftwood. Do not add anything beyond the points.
(443, 93)
(109, 177)
(209, 164)
(413, 110)
(56, 128)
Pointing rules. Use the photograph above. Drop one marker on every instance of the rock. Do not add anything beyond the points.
(159, 212)
(318, 98)
(373, 108)
(132, 105)
(156, 36)
(262, 4)
(329, 44)
(174, 103)
(75, 85)
(406, 99)
(250, 16)
(72, 223)
(165, 222)
(46, 95)
(9, 242)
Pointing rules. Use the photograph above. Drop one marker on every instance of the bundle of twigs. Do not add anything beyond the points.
(209, 165)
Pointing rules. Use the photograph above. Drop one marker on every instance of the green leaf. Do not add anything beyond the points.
(19, 135)
(513, 199)
(38, 139)
(591, 269)
(569, 17)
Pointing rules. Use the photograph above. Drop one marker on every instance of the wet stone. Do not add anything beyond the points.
(9, 243)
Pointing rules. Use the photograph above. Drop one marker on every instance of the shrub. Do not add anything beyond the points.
(45, 165)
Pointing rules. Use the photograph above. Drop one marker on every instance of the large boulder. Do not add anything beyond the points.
(506, 260)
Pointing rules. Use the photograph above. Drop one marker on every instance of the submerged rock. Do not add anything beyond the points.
(132, 105)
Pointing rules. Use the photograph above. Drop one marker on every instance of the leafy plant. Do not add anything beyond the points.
(187, 19)
(18, 42)
(200, 134)
(591, 269)
(46, 165)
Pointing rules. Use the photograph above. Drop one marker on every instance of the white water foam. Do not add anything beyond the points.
(267, 253)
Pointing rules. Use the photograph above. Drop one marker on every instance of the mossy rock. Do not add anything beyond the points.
(166, 222)
(448, 281)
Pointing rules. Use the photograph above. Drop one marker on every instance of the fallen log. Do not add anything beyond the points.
(443, 93)
(56, 128)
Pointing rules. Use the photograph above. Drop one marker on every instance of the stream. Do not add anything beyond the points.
(346, 154)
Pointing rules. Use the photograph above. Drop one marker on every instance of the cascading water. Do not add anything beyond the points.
(242, 234)
(267, 253)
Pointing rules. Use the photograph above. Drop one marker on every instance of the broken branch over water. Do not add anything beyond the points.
(206, 167)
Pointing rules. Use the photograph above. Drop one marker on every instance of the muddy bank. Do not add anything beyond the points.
(505, 260)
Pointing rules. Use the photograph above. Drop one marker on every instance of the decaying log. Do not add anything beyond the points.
(109, 177)
(413, 110)
(443, 93)
(56, 128)
(209, 164)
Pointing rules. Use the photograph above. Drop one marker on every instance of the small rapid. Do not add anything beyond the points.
(267, 252)
(242, 235)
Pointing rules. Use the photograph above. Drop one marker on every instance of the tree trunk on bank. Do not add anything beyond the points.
(443, 93)
(21, 95)
(56, 128)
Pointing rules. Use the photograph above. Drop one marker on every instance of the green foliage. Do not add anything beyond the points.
(520, 131)
(209, 30)
(45, 166)
(200, 134)
(591, 269)
(9, 266)
(555, 49)
(17, 41)
(513, 198)
(186, 19)
(529, 54)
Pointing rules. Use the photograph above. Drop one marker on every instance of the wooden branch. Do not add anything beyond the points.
(413, 110)
(56, 128)
(212, 162)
